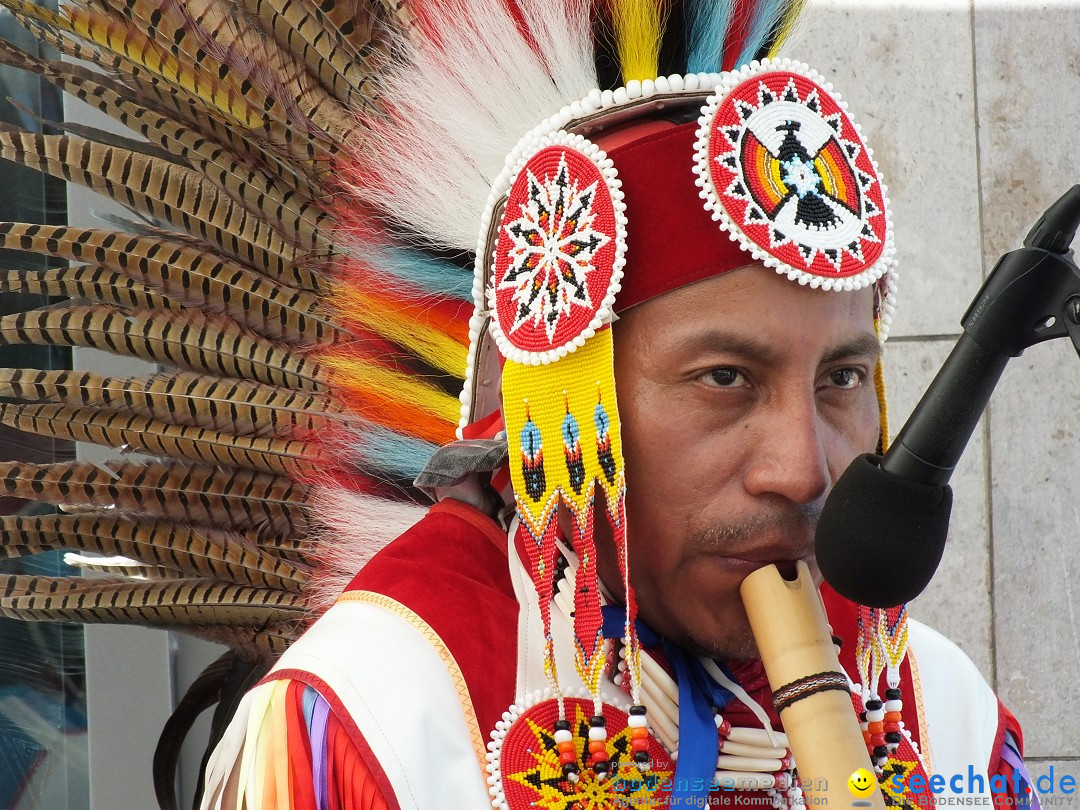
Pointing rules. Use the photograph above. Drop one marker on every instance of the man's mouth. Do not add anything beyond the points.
(748, 562)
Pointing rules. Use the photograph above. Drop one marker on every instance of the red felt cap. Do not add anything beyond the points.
(671, 240)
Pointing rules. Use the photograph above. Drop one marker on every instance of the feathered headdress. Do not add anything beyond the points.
(341, 208)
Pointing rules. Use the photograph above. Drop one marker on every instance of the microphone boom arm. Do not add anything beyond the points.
(1032, 295)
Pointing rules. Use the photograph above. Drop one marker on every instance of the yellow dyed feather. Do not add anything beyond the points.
(205, 35)
(220, 152)
(638, 26)
(428, 343)
(786, 25)
(369, 378)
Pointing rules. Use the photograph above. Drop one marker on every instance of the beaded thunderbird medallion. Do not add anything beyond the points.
(785, 171)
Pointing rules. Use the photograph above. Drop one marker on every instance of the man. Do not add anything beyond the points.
(741, 397)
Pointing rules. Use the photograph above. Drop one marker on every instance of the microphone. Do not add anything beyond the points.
(883, 528)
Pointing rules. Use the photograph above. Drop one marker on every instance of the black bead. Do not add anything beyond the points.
(598, 721)
(862, 717)
(562, 725)
(873, 705)
(839, 642)
(569, 768)
(894, 737)
(893, 694)
(881, 751)
(637, 710)
(641, 756)
(600, 767)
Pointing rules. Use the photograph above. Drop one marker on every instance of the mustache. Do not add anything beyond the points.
(795, 519)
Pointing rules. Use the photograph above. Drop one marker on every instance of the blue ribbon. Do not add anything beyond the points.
(695, 770)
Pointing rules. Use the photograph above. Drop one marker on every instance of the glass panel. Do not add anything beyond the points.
(43, 752)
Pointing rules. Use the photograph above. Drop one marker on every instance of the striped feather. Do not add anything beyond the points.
(183, 550)
(334, 39)
(192, 132)
(217, 153)
(86, 282)
(169, 604)
(127, 253)
(129, 51)
(131, 432)
(231, 406)
(188, 340)
(211, 40)
(157, 188)
(271, 506)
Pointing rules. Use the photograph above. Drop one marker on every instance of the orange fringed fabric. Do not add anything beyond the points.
(297, 755)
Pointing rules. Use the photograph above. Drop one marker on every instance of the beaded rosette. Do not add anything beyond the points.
(782, 168)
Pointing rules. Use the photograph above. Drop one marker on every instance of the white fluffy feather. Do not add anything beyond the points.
(355, 528)
(461, 101)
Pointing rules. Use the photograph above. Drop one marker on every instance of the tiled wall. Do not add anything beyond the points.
(972, 108)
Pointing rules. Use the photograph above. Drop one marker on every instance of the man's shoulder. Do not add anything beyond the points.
(454, 553)
(442, 588)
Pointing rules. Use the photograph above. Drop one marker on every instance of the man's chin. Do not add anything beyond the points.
(725, 647)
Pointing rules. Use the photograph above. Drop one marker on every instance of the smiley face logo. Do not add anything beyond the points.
(861, 784)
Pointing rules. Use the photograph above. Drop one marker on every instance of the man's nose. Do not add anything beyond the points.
(788, 455)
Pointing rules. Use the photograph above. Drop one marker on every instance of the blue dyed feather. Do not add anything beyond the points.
(767, 14)
(391, 453)
(707, 23)
(430, 275)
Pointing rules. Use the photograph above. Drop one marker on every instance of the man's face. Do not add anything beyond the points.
(742, 398)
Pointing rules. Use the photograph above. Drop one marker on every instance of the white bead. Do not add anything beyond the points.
(597, 733)
(595, 97)
(621, 96)
(607, 98)
(633, 88)
(648, 88)
(894, 705)
(875, 716)
(637, 721)
(662, 84)
(691, 82)
(563, 735)
(676, 82)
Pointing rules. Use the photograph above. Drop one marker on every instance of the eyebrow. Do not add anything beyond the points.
(864, 345)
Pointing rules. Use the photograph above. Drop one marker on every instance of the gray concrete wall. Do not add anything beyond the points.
(972, 110)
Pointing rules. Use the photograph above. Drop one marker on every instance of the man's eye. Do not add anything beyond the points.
(846, 378)
(725, 377)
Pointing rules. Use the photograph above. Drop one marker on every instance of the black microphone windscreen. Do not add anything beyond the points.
(880, 537)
